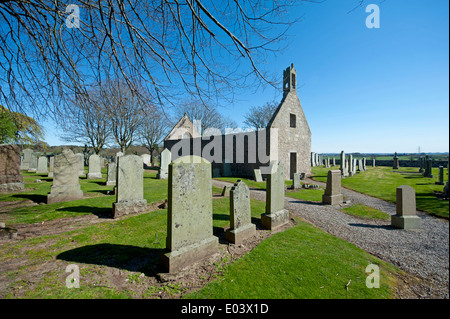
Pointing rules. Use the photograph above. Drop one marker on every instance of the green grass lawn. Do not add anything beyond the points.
(381, 182)
(302, 262)
(363, 211)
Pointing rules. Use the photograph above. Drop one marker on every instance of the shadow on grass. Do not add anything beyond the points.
(306, 202)
(37, 198)
(132, 258)
(100, 212)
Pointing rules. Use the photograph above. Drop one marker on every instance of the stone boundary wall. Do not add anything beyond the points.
(403, 163)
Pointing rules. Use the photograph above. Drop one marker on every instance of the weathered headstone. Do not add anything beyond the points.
(130, 186)
(296, 181)
(42, 165)
(313, 159)
(241, 226)
(334, 161)
(66, 186)
(112, 173)
(258, 176)
(350, 165)
(51, 163)
(428, 168)
(441, 176)
(94, 167)
(146, 160)
(10, 178)
(275, 215)
(396, 164)
(80, 161)
(373, 163)
(166, 158)
(333, 194)
(405, 217)
(359, 165)
(364, 164)
(33, 163)
(354, 166)
(26, 159)
(189, 215)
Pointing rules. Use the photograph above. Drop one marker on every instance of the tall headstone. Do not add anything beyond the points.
(10, 178)
(130, 186)
(26, 160)
(354, 166)
(258, 176)
(112, 173)
(334, 161)
(80, 161)
(405, 217)
(343, 168)
(441, 176)
(166, 158)
(241, 226)
(350, 165)
(396, 164)
(296, 181)
(364, 164)
(373, 163)
(359, 165)
(42, 165)
(51, 163)
(66, 186)
(275, 215)
(428, 168)
(333, 194)
(189, 215)
(313, 159)
(94, 167)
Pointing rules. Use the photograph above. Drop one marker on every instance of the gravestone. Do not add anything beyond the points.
(42, 165)
(10, 178)
(166, 158)
(94, 171)
(275, 215)
(112, 173)
(146, 160)
(241, 226)
(80, 161)
(350, 165)
(296, 181)
(441, 176)
(226, 191)
(51, 163)
(343, 168)
(373, 163)
(364, 164)
(354, 166)
(428, 168)
(26, 160)
(359, 165)
(396, 164)
(33, 164)
(258, 176)
(446, 189)
(189, 215)
(313, 159)
(66, 186)
(333, 194)
(130, 186)
(405, 217)
(334, 161)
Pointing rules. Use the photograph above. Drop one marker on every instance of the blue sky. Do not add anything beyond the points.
(365, 90)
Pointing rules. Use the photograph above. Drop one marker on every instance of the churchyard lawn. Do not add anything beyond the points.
(120, 258)
(381, 182)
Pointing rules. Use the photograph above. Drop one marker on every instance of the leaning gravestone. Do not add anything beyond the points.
(189, 215)
(80, 161)
(42, 165)
(405, 217)
(333, 194)
(10, 178)
(275, 216)
(166, 158)
(241, 226)
(258, 176)
(65, 186)
(112, 170)
(130, 186)
(95, 167)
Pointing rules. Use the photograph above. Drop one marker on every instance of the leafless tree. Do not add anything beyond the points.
(86, 122)
(259, 116)
(154, 127)
(171, 47)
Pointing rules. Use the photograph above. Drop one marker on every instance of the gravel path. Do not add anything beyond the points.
(423, 253)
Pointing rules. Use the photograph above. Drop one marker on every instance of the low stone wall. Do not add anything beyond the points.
(403, 163)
